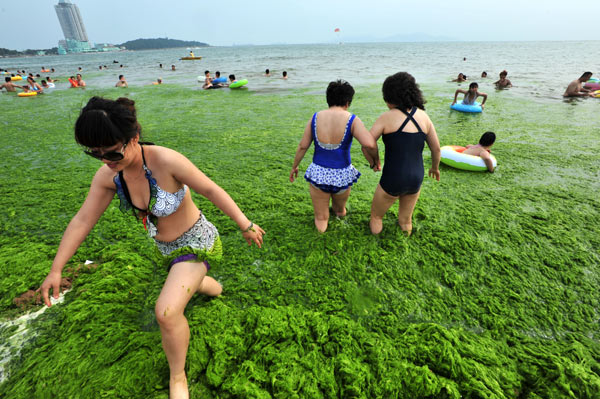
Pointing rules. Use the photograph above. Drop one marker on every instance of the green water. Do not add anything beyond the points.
(494, 296)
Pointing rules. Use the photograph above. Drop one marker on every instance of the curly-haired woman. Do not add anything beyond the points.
(405, 128)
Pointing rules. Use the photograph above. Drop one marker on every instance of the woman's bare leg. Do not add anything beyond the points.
(338, 202)
(382, 201)
(405, 210)
(184, 279)
(320, 200)
(209, 286)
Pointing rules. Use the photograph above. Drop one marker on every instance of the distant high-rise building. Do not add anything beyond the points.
(71, 21)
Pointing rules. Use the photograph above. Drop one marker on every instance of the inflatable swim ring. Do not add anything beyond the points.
(238, 83)
(28, 94)
(596, 94)
(592, 86)
(452, 156)
(474, 108)
(45, 70)
(14, 78)
(593, 80)
(220, 80)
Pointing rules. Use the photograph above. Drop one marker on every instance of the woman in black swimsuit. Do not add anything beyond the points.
(405, 128)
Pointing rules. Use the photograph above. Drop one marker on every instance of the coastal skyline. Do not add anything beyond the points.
(309, 21)
(70, 21)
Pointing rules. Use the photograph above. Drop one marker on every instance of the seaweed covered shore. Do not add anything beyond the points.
(494, 296)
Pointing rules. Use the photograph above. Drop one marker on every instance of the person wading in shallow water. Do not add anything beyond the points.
(331, 173)
(576, 90)
(404, 129)
(153, 183)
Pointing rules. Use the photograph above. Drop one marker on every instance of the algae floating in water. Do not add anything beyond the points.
(495, 294)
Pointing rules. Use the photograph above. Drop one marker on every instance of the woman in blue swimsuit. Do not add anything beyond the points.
(405, 129)
(152, 182)
(331, 172)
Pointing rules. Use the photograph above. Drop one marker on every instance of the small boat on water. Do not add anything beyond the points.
(191, 58)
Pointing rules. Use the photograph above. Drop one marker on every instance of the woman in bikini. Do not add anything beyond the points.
(154, 183)
(404, 130)
(34, 86)
(331, 172)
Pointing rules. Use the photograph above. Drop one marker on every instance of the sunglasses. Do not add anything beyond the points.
(113, 156)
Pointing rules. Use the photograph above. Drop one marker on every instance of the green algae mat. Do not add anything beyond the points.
(494, 296)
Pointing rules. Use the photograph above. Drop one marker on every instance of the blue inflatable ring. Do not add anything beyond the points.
(219, 80)
(459, 106)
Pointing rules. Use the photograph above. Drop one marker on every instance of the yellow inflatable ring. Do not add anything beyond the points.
(14, 78)
(28, 94)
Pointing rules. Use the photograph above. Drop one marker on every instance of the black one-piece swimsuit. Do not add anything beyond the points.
(403, 168)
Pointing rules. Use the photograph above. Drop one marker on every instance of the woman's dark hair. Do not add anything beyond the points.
(232, 77)
(103, 122)
(339, 93)
(473, 85)
(401, 90)
(488, 138)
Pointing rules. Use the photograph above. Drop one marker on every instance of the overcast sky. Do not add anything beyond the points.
(33, 23)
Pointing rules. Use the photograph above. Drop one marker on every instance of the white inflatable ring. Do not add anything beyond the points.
(452, 156)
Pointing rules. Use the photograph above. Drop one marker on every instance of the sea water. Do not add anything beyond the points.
(538, 70)
(512, 252)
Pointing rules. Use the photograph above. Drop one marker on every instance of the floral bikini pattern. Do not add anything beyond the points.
(162, 203)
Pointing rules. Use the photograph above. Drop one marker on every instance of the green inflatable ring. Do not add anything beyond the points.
(238, 83)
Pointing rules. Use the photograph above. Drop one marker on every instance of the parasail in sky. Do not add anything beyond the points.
(338, 34)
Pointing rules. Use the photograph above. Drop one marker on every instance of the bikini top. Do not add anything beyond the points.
(161, 203)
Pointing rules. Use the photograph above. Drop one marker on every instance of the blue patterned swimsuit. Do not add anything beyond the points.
(331, 169)
(201, 241)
